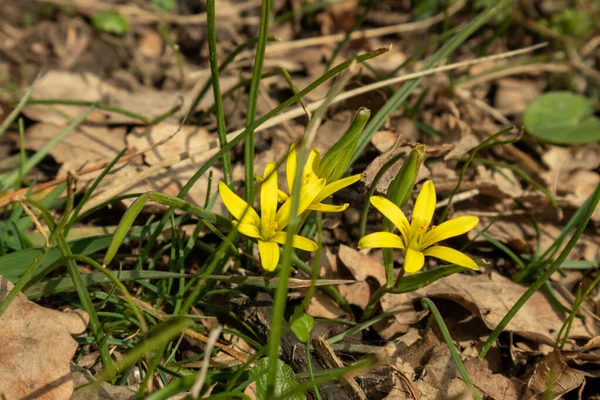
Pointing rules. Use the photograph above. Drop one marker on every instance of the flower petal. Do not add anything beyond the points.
(312, 164)
(381, 240)
(336, 186)
(299, 242)
(290, 167)
(392, 212)
(282, 196)
(248, 230)
(269, 255)
(452, 256)
(307, 194)
(328, 207)
(413, 261)
(268, 195)
(448, 229)
(424, 207)
(240, 210)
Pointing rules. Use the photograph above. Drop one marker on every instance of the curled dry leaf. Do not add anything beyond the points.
(428, 365)
(36, 348)
(553, 372)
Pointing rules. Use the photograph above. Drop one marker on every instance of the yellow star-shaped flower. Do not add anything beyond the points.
(417, 240)
(268, 229)
(311, 174)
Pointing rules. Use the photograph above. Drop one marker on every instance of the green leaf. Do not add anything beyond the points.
(286, 379)
(562, 117)
(302, 324)
(59, 285)
(110, 22)
(414, 282)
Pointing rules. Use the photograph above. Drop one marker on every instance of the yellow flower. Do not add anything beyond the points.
(417, 240)
(310, 174)
(268, 229)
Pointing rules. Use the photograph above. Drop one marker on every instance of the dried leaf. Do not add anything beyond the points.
(490, 298)
(554, 373)
(37, 348)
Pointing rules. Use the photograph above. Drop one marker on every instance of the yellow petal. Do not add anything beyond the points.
(290, 167)
(240, 210)
(452, 256)
(336, 186)
(424, 207)
(268, 195)
(307, 195)
(299, 242)
(269, 255)
(381, 240)
(282, 196)
(248, 230)
(448, 229)
(312, 163)
(413, 261)
(393, 213)
(328, 207)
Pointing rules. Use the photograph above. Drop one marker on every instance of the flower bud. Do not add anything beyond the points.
(404, 182)
(335, 162)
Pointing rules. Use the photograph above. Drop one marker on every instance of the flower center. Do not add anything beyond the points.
(268, 228)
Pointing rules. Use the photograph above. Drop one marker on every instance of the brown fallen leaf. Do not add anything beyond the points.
(553, 372)
(513, 95)
(82, 146)
(36, 348)
(490, 298)
(428, 365)
(147, 102)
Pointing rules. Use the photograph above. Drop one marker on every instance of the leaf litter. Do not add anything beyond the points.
(451, 114)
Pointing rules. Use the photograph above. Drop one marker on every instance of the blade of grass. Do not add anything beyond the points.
(17, 110)
(430, 305)
(582, 223)
(84, 296)
(214, 72)
(402, 94)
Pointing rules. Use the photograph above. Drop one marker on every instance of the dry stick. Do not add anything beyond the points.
(35, 221)
(212, 340)
(368, 33)
(143, 16)
(283, 117)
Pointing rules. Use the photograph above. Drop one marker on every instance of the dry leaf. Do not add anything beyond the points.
(427, 363)
(150, 103)
(85, 145)
(37, 348)
(490, 298)
(513, 95)
(553, 372)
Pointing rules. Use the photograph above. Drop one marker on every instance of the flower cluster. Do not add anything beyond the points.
(269, 228)
(417, 238)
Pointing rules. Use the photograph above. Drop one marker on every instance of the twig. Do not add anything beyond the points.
(212, 340)
(35, 221)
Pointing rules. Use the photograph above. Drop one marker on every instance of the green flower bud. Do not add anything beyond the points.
(404, 182)
(336, 161)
